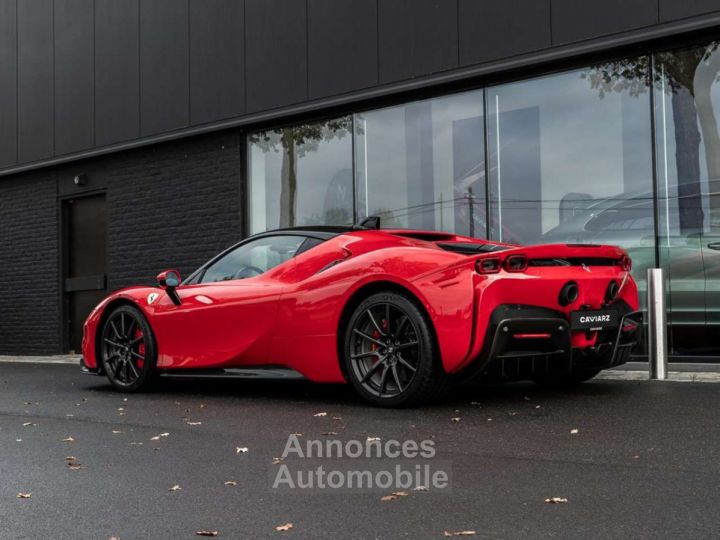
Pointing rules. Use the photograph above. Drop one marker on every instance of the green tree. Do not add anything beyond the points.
(295, 142)
(688, 76)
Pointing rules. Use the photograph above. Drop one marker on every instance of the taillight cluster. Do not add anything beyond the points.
(492, 265)
(625, 263)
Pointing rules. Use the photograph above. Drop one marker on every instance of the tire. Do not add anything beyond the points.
(396, 368)
(127, 349)
(572, 378)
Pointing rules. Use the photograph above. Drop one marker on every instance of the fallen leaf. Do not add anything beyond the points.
(556, 500)
(537, 406)
(18, 440)
(75, 466)
(136, 443)
(337, 417)
(388, 498)
(155, 438)
(207, 533)
(298, 434)
(120, 409)
(400, 493)
(476, 403)
(116, 432)
(68, 439)
(330, 433)
(574, 431)
(28, 424)
(320, 414)
(24, 495)
(175, 488)
(241, 450)
(283, 528)
(448, 534)
(455, 419)
(373, 439)
(420, 488)
(231, 483)
(194, 423)
(70, 458)
(277, 460)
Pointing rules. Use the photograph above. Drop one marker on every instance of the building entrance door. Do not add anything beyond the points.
(84, 263)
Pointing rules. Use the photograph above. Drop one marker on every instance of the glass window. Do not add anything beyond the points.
(570, 160)
(421, 165)
(253, 258)
(301, 175)
(687, 105)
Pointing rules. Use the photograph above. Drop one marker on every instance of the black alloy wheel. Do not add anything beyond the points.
(127, 349)
(391, 355)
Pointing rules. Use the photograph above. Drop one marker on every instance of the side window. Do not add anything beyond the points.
(253, 258)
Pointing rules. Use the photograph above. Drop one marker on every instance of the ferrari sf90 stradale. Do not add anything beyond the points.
(399, 314)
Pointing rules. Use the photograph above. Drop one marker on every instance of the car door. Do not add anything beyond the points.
(227, 313)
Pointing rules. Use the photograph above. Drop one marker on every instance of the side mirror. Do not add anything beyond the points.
(168, 280)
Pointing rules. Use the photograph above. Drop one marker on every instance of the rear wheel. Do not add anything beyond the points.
(572, 378)
(391, 356)
(127, 349)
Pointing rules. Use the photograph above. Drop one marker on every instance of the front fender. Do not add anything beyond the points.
(137, 296)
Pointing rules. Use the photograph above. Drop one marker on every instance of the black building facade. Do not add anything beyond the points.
(138, 135)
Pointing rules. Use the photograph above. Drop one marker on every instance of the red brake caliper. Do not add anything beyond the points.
(140, 349)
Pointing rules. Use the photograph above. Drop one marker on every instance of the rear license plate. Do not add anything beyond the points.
(592, 320)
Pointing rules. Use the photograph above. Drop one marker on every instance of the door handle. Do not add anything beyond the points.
(714, 245)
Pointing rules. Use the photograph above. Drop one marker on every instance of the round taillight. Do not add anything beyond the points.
(568, 294)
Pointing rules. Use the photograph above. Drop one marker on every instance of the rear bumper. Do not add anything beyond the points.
(525, 342)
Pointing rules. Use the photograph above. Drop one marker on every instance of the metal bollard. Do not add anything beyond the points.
(657, 324)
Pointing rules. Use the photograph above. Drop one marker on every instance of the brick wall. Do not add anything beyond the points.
(171, 205)
(29, 297)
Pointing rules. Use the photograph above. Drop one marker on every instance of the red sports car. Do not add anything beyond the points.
(398, 314)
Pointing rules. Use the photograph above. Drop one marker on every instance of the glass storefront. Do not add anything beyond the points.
(566, 157)
(570, 160)
(687, 104)
(422, 165)
(301, 175)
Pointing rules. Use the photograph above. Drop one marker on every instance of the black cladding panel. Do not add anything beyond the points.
(276, 53)
(117, 71)
(35, 79)
(8, 76)
(342, 46)
(495, 30)
(217, 60)
(671, 10)
(416, 37)
(74, 76)
(574, 20)
(164, 58)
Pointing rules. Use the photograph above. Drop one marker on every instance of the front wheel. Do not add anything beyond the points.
(127, 349)
(391, 356)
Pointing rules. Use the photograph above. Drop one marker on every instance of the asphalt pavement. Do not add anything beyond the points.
(624, 459)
